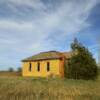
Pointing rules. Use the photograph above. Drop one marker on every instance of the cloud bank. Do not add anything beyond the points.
(31, 26)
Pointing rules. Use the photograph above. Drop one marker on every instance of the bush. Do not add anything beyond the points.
(19, 69)
(10, 69)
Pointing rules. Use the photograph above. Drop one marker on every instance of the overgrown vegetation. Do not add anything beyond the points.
(82, 65)
(15, 87)
(20, 88)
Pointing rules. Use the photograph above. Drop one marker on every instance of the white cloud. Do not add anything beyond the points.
(12, 25)
(37, 4)
(40, 33)
(68, 19)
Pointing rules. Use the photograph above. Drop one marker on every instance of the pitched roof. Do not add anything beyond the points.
(68, 54)
(48, 55)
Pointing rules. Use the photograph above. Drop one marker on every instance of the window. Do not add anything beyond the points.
(30, 67)
(48, 66)
(38, 67)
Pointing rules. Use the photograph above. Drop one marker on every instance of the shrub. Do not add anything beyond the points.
(19, 69)
(10, 69)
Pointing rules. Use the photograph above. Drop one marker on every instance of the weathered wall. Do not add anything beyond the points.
(55, 68)
(62, 65)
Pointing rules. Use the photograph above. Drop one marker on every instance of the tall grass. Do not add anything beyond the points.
(20, 88)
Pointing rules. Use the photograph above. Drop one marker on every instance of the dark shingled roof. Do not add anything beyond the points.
(48, 55)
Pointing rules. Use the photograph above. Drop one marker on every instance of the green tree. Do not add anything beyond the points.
(82, 65)
(19, 69)
(10, 69)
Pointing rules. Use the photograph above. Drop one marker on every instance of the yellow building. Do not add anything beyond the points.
(45, 64)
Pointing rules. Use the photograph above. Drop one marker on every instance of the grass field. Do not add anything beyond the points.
(19, 88)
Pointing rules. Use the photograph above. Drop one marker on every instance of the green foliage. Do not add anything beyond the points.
(82, 65)
(19, 69)
(10, 69)
(66, 70)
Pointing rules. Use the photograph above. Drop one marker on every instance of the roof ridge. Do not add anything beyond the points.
(50, 51)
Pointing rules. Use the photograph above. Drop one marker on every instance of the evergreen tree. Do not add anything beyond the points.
(82, 65)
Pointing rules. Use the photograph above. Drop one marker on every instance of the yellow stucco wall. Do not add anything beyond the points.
(55, 67)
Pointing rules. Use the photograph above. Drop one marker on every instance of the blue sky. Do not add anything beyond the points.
(31, 26)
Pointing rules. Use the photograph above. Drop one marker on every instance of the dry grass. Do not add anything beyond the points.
(11, 74)
(19, 88)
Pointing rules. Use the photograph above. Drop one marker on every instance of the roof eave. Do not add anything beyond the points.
(27, 60)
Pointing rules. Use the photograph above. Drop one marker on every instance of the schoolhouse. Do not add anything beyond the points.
(45, 64)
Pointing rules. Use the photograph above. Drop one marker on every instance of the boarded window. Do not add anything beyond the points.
(48, 66)
(38, 67)
(30, 67)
